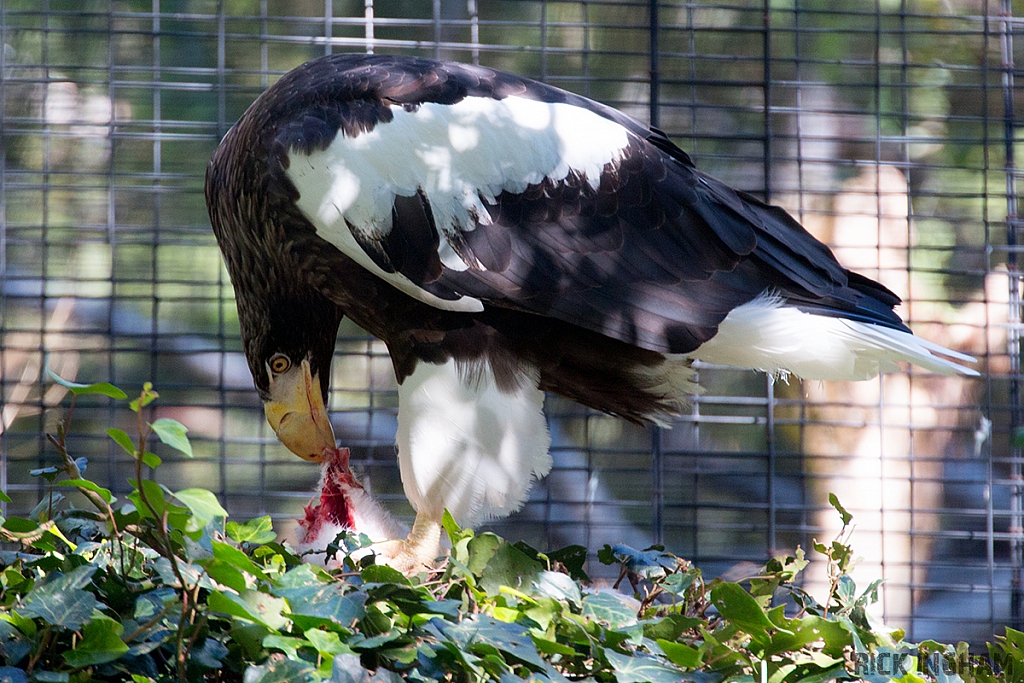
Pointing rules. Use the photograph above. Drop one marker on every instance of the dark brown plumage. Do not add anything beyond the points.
(534, 237)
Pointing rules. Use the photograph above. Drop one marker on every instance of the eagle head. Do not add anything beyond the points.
(295, 409)
(289, 343)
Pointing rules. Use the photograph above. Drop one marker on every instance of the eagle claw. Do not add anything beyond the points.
(402, 555)
(417, 553)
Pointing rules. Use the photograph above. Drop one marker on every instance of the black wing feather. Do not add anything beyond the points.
(656, 256)
(413, 249)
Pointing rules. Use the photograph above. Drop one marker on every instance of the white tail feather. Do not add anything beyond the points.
(673, 380)
(767, 335)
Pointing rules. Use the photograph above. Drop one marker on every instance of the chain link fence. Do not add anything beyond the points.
(889, 128)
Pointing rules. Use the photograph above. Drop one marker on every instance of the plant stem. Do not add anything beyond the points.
(73, 472)
(148, 625)
(187, 606)
(28, 537)
(44, 643)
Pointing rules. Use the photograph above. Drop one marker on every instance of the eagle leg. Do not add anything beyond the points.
(416, 553)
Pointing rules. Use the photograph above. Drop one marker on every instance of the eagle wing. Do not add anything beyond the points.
(468, 187)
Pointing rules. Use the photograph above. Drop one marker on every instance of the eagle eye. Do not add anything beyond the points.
(279, 363)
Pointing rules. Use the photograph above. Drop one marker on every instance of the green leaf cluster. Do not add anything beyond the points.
(162, 587)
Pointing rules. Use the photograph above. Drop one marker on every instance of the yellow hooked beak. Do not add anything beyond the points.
(297, 414)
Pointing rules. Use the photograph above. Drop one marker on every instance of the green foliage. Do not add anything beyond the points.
(161, 587)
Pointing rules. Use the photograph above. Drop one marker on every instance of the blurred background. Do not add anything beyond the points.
(891, 129)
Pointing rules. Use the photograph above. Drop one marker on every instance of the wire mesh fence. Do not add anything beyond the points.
(889, 129)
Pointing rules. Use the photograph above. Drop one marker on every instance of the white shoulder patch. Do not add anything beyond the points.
(460, 156)
(465, 445)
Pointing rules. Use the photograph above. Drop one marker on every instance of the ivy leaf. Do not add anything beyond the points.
(326, 643)
(449, 608)
(225, 574)
(777, 571)
(9, 674)
(652, 563)
(740, 608)
(4, 498)
(451, 527)
(348, 668)
(50, 677)
(151, 460)
(252, 605)
(610, 609)
(606, 555)
(249, 637)
(210, 654)
(846, 589)
(808, 630)
(122, 439)
(102, 388)
(14, 645)
(641, 669)
(680, 654)
(302, 576)
(202, 503)
(510, 567)
(833, 500)
(573, 558)
(559, 586)
(382, 573)
(125, 442)
(544, 611)
(316, 603)
(61, 601)
(669, 627)
(19, 527)
(283, 671)
(145, 398)
(259, 530)
(154, 494)
(678, 583)
(235, 557)
(286, 644)
(552, 647)
(47, 473)
(89, 486)
(173, 433)
(101, 643)
(480, 550)
(511, 639)
(870, 594)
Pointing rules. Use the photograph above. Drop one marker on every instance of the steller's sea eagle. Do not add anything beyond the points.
(505, 238)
